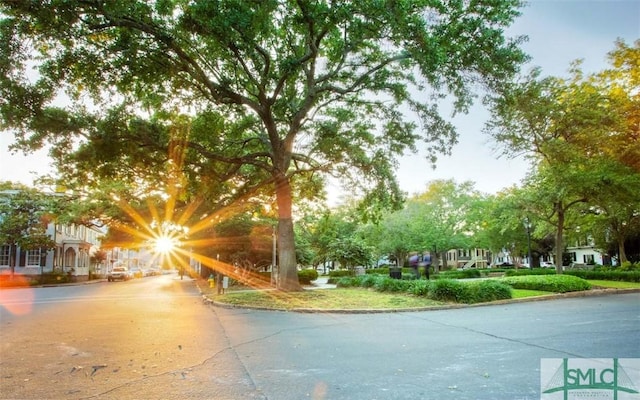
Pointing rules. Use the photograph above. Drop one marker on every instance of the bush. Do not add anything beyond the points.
(449, 290)
(534, 271)
(487, 290)
(345, 281)
(386, 284)
(377, 271)
(459, 274)
(607, 275)
(629, 266)
(340, 273)
(548, 283)
(305, 276)
(419, 287)
(368, 281)
(446, 290)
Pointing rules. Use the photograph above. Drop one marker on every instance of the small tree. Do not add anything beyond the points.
(351, 252)
(24, 218)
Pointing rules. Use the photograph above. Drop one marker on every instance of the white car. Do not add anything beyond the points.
(118, 273)
(546, 264)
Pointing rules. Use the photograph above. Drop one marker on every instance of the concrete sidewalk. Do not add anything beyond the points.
(321, 283)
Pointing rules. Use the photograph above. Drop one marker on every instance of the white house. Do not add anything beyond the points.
(75, 246)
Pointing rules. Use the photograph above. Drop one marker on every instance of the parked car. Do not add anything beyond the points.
(118, 273)
(546, 264)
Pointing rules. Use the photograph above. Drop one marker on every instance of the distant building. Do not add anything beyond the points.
(75, 247)
(584, 251)
(468, 258)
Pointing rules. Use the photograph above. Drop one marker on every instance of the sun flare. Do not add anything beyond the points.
(164, 244)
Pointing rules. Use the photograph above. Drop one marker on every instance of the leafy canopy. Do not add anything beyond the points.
(223, 99)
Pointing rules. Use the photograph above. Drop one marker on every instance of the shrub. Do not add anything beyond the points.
(607, 275)
(340, 273)
(419, 287)
(629, 266)
(345, 281)
(549, 283)
(377, 271)
(459, 274)
(534, 271)
(487, 290)
(305, 276)
(369, 280)
(386, 284)
(446, 290)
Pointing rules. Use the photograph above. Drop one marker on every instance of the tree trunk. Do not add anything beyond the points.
(13, 256)
(559, 237)
(435, 261)
(622, 254)
(287, 265)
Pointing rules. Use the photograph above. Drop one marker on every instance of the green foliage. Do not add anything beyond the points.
(419, 287)
(449, 290)
(530, 271)
(340, 272)
(459, 274)
(486, 290)
(386, 284)
(306, 276)
(55, 277)
(607, 275)
(629, 266)
(24, 218)
(350, 252)
(548, 283)
(345, 281)
(367, 280)
(284, 92)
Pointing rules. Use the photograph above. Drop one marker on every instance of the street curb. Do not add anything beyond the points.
(47, 285)
(587, 293)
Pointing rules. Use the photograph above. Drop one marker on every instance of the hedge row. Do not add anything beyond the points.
(458, 274)
(533, 271)
(600, 273)
(548, 283)
(449, 290)
(606, 275)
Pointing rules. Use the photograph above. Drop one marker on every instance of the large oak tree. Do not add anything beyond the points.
(273, 93)
(581, 134)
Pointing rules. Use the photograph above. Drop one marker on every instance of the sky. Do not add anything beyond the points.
(559, 32)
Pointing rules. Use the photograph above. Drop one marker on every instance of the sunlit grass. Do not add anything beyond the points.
(614, 284)
(524, 293)
(352, 298)
(332, 299)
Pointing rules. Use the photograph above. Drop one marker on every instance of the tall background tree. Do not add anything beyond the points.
(581, 135)
(216, 100)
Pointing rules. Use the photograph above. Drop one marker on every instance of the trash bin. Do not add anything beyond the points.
(395, 273)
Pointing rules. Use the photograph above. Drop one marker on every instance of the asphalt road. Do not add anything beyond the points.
(153, 338)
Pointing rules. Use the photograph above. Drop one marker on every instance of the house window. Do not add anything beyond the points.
(589, 259)
(4, 255)
(33, 257)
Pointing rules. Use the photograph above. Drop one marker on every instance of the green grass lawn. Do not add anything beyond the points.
(523, 293)
(345, 299)
(615, 284)
(353, 298)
